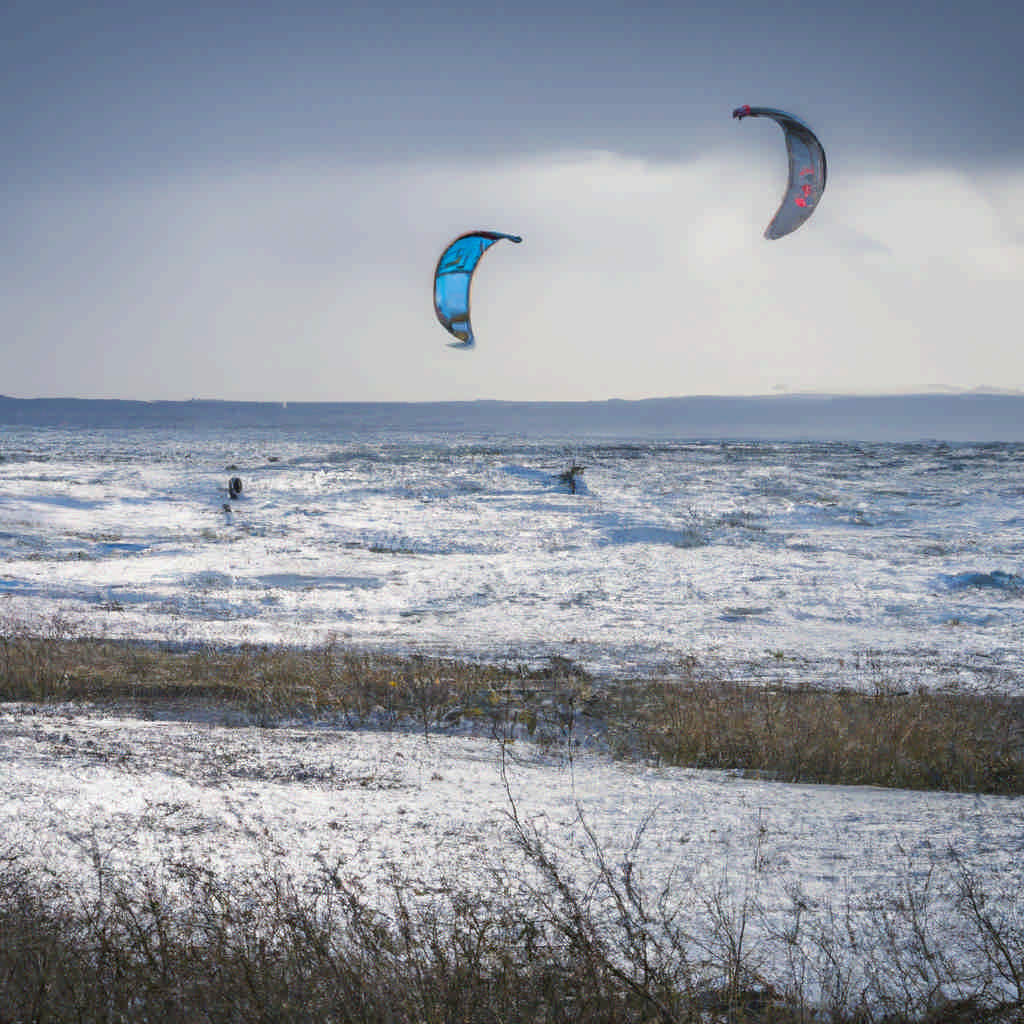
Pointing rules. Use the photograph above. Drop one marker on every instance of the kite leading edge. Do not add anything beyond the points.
(453, 278)
(807, 170)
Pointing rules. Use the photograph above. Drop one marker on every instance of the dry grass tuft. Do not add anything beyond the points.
(919, 740)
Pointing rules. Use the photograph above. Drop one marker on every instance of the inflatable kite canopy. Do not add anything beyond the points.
(453, 279)
(807, 170)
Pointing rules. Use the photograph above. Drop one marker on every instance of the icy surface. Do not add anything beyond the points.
(865, 564)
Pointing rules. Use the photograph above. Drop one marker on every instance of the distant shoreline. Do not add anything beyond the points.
(981, 417)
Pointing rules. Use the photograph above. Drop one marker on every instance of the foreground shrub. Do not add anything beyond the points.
(539, 945)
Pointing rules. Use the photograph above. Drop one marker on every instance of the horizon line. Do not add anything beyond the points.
(772, 396)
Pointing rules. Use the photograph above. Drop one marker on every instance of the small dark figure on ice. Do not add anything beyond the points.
(568, 476)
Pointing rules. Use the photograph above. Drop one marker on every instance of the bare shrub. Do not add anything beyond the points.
(543, 943)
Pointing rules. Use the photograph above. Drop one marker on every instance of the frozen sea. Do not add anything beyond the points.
(864, 542)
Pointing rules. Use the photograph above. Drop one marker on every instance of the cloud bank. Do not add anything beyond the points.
(636, 278)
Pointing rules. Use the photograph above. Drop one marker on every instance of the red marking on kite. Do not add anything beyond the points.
(800, 201)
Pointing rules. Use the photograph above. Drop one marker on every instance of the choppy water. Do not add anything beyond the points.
(857, 563)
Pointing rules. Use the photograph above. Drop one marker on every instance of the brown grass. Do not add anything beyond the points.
(922, 739)
(919, 740)
(265, 679)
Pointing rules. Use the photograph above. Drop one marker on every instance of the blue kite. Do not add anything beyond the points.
(453, 278)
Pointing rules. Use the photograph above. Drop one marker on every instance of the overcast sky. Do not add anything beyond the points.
(247, 201)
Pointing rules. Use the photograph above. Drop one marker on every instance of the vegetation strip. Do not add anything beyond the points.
(183, 945)
(916, 739)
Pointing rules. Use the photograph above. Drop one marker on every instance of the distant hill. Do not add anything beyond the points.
(969, 416)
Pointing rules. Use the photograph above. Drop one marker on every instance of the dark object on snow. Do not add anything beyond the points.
(235, 486)
(568, 477)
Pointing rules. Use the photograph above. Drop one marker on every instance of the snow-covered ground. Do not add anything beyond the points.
(859, 564)
(843, 563)
(84, 789)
